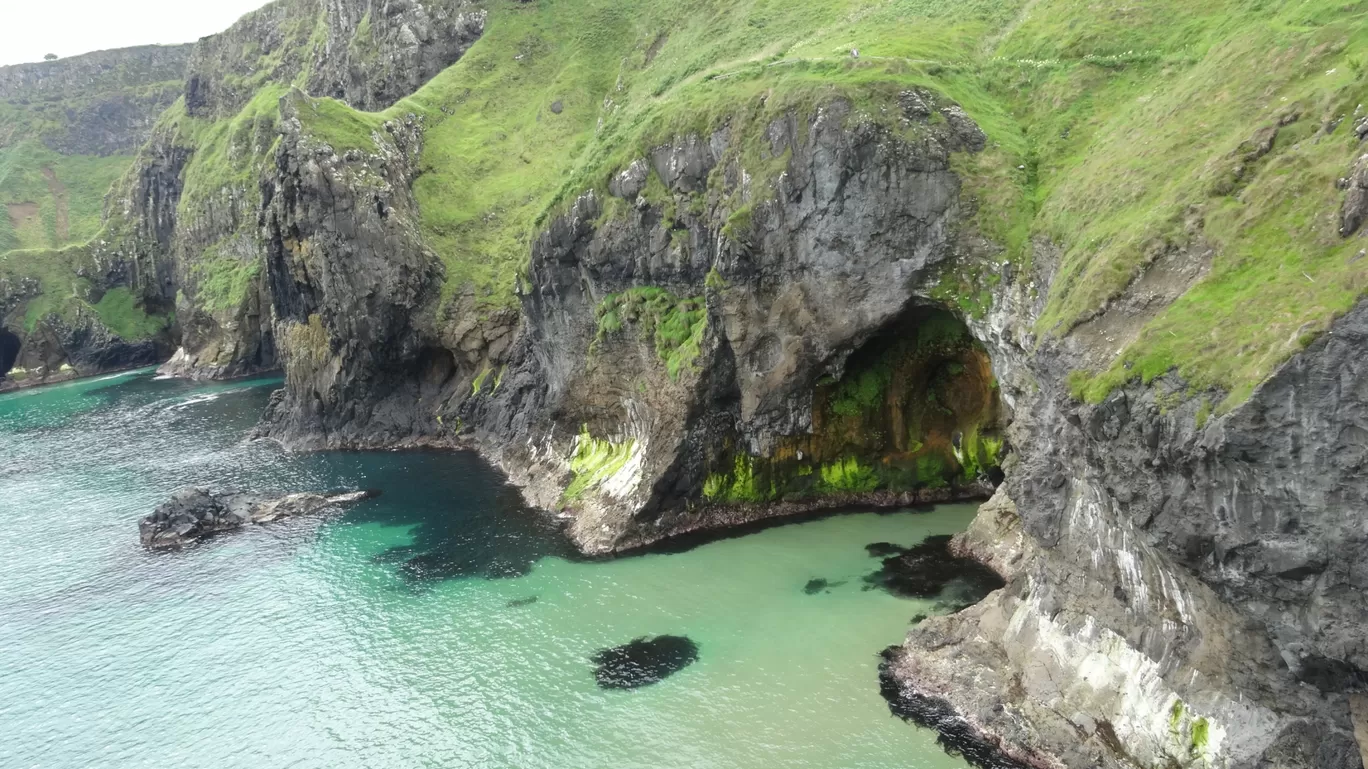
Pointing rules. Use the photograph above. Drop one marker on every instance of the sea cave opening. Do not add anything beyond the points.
(9, 351)
(913, 415)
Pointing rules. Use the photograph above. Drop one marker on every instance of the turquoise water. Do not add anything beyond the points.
(401, 633)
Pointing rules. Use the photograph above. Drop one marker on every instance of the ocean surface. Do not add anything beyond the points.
(441, 624)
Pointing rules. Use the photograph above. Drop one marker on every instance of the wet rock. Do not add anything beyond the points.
(953, 733)
(192, 514)
(929, 569)
(643, 661)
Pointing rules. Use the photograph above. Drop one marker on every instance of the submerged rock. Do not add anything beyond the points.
(518, 603)
(884, 549)
(644, 661)
(192, 514)
(819, 585)
(929, 569)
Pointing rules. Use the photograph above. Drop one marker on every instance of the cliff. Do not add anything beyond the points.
(679, 269)
(68, 130)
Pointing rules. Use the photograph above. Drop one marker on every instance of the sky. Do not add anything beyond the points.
(32, 28)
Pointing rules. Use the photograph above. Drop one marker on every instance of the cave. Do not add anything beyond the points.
(914, 409)
(9, 351)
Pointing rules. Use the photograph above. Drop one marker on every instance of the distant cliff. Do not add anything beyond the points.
(101, 103)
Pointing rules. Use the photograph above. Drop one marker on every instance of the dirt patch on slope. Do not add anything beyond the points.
(22, 215)
(1169, 276)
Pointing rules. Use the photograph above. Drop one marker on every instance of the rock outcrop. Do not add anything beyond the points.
(64, 127)
(193, 514)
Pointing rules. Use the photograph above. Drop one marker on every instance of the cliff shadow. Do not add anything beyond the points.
(10, 345)
(464, 520)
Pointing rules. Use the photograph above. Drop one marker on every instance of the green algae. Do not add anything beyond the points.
(594, 462)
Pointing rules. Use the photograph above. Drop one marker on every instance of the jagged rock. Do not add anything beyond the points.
(193, 514)
(1355, 207)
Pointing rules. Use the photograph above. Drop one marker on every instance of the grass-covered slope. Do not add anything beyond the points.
(52, 200)
(69, 130)
(1122, 134)
(1116, 132)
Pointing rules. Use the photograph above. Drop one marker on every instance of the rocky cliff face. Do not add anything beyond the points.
(1181, 587)
(67, 128)
(368, 54)
(213, 246)
(684, 363)
(784, 310)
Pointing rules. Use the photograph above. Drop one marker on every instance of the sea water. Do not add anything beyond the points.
(441, 624)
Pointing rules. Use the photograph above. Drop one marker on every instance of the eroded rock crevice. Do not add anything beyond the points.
(9, 351)
(913, 409)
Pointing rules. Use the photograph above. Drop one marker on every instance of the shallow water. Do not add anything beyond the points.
(404, 633)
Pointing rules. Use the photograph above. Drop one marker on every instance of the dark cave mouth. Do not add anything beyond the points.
(915, 408)
(9, 351)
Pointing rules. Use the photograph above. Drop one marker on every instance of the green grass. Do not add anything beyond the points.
(119, 311)
(1129, 157)
(848, 475)
(67, 193)
(675, 325)
(223, 281)
(1113, 132)
(67, 295)
(738, 486)
(58, 274)
(227, 153)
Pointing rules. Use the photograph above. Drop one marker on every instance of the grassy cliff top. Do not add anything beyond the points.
(1134, 137)
(1119, 133)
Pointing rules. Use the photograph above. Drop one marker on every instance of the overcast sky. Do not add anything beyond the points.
(32, 28)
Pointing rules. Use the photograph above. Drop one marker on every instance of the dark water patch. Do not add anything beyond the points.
(643, 661)
(953, 733)
(819, 585)
(518, 603)
(464, 520)
(929, 570)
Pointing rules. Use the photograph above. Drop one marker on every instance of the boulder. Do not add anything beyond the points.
(193, 513)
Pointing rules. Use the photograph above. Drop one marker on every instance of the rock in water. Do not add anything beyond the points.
(926, 569)
(192, 514)
(644, 661)
(187, 516)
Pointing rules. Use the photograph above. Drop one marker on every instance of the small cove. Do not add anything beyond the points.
(439, 625)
